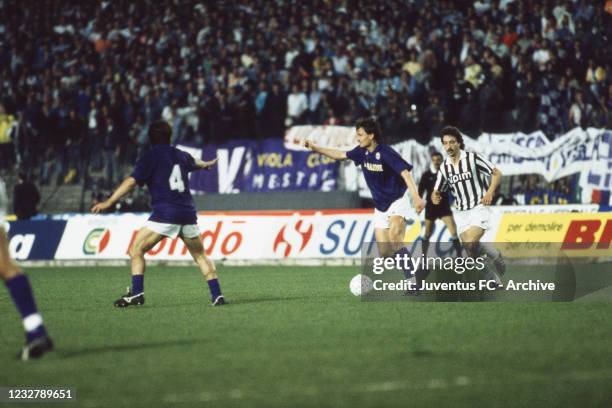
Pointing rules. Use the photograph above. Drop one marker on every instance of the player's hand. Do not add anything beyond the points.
(419, 205)
(487, 199)
(309, 144)
(436, 198)
(209, 164)
(102, 206)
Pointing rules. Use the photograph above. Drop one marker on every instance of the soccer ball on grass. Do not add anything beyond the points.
(361, 285)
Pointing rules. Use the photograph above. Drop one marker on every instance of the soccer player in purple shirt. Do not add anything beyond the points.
(165, 170)
(389, 179)
(38, 341)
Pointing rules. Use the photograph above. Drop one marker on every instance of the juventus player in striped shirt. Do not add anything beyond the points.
(467, 174)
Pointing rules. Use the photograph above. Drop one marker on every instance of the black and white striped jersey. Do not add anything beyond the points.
(468, 180)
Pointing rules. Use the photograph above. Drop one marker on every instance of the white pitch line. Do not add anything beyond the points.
(203, 396)
(432, 384)
(389, 386)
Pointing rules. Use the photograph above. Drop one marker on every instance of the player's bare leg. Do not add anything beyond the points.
(8, 268)
(471, 239)
(390, 240)
(429, 224)
(471, 242)
(144, 241)
(382, 241)
(18, 285)
(207, 267)
(397, 231)
(474, 234)
(195, 248)
(449, 221)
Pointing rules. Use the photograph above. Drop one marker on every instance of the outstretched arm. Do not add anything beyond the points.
(206, 165)
(125, 187)
(331, 153)
(417, 201)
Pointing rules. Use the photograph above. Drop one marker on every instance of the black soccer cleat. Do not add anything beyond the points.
(219, 301)
(35, 348)
(500, 265)
(130, 300)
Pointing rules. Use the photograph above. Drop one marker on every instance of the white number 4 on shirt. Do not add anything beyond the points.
(176, 180)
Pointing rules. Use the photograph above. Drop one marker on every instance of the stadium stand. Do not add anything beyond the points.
(84, 79)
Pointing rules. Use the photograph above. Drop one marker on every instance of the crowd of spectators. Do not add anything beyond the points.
(84, 78)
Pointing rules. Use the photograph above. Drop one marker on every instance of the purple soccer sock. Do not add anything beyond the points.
(21, 293)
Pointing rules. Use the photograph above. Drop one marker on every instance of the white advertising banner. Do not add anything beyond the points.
(261, 235)
(240, 236)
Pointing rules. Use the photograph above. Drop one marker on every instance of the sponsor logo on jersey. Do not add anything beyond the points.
(460, 177)
(373, 167)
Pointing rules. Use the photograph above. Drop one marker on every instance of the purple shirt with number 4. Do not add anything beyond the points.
(165, 170)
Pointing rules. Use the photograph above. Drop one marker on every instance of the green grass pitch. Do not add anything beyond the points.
(296, 337)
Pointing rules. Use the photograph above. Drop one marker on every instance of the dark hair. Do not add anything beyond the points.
(454, 132)
(436, 153)
(160, 132)
(370, 125)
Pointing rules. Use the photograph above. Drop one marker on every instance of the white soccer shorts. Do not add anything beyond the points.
(3, 222)
(479, 216)
(402, 207)
(173, 230)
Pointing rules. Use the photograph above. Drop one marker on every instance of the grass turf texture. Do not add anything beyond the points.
(295, 336)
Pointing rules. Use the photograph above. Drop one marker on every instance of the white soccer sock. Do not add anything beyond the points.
(32, 322)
